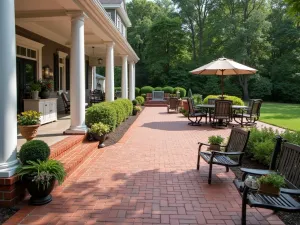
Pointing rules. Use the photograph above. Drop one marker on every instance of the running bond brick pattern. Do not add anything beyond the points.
(149, 177)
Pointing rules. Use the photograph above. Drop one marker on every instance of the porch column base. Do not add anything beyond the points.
(8, 170)
(77, 130)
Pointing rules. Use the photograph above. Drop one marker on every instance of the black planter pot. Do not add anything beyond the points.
(134, 112)
(45, 94)
(101, 139)
(39, 195)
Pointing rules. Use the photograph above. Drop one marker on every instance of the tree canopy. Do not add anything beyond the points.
(173, 37)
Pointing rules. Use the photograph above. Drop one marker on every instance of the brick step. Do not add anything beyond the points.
(155, 105)
(75, 156)
(64, 145)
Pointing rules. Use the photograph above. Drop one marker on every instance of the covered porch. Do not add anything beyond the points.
(69, 37)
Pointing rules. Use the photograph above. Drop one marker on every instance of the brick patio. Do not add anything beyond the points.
(149, 177)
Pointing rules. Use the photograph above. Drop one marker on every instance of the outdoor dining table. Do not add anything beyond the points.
(212, 106)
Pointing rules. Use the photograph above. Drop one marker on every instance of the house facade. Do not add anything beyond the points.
(63, 41)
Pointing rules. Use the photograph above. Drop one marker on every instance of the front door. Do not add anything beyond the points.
(26, 74)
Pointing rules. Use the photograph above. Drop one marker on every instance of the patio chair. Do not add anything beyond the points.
(66, 102)
(236, 146)
(222, 113)
(173, 104)
(193, 113)
(167, 97)
(285, 161)
(211, 101)
(95, 96)
(251, 115)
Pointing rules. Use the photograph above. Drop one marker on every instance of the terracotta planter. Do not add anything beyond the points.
(29, 131)
(185, 105)
(269, 189)
(39, 195)
(214, 147)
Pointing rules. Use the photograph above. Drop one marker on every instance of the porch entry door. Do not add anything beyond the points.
(26, 74)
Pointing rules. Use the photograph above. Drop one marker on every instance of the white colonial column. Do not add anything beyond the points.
(124, 76)
(109, 73)
(134, 81)
(131, 81)
(8, 90)
(77, 78)
(94, 79)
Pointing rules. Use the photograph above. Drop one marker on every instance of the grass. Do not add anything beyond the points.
(281, 115)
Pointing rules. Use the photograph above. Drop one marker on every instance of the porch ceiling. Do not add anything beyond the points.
(50, 19)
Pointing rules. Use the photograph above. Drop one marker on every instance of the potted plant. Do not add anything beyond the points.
(35, 89)
(98, 131)
(39, 179)
(215, 142)
(46, 88)
(270, 184)
(136, 110)
(28, 123)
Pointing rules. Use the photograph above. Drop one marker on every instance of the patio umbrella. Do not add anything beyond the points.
(223, 67)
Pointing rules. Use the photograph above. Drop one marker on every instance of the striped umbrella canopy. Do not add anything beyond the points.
(223, 67)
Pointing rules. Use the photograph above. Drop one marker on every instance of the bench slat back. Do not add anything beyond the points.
(238, 140)
(289, 164)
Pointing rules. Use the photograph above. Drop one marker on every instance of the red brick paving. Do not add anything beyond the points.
(149, 177)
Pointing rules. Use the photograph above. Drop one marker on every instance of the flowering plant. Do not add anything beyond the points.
(46, 85)
(29, 117)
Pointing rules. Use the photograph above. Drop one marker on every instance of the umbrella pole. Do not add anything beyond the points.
(222, 84)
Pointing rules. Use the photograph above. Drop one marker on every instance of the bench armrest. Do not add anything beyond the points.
(290, 191)
(200, 143)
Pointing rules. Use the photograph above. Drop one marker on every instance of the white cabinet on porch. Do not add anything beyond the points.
(48, 108)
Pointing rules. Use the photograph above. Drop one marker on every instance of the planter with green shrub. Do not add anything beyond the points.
(136, 110)
(270, 184)
(181, 90)
(35, 89)
(99, 131)
(28, 123)
(215, 142)
(38, 173)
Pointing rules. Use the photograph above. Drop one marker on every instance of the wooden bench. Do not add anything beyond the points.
(285, 161)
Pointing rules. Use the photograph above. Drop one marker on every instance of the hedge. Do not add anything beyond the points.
(182, 91)
(120, 110)
(235, 100)
(168, 89)
(127, 104)
(262, 142)
(137, 91)
(146, 89)
(118, 89)
(158, 89)
(103, 112)
(140, 100)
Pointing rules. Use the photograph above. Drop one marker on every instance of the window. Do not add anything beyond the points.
(26, 53)
(109, 14)
(62, 70)
(118, 23)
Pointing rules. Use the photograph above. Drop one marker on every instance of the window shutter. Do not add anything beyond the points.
(56, 71)
(86, 74)
(68, 73)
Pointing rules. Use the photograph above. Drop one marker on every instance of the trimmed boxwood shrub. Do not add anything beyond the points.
(137, 91)
(118, 89)
(168, 89)
(102, 112)
(182, 91)
(121, 111)
(34, 150)
(127, 104)
(235, 100)
(146, 89)
(158, 89)
(144, 96)
(134, 102)
(140, 100)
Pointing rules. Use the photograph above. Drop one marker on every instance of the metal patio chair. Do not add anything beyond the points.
(236, 146)
(173, 104)
(222, 113)
(193, 113)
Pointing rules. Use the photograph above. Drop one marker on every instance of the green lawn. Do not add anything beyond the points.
(281, 114)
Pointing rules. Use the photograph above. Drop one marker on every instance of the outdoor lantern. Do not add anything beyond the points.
(99, 61)
(46, 71)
